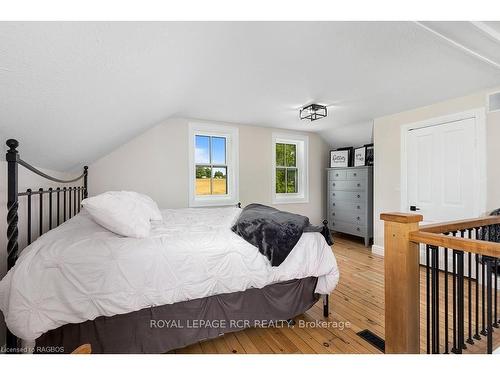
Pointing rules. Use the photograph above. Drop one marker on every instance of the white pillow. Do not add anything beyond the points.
(151, 206)
(121, 213)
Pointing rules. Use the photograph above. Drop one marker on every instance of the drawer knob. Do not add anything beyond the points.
(359, 196)
(334, 184)
(333, 204)
(358, 206)
(359, 218)
(333, 224)
(355, 174)
(359, 185)
(336, 174)
(333, 194)
(333, 213)
(358, 229)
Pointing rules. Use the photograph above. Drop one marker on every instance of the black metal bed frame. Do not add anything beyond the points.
(63, 196)
(68, 197)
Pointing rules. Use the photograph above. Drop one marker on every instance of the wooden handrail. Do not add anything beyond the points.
(456, 243)
(453, 226)
(402, 236)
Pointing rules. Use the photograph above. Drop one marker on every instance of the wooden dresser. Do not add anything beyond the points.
(350, 201)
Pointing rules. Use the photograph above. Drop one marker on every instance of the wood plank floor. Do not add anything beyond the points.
(356, 304)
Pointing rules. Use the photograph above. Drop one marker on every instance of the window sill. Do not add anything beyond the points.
(289, 200)
(213, 202)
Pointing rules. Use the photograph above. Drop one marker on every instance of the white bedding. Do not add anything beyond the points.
(80, 270)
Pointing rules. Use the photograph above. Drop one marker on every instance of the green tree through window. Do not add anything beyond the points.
(286, 168)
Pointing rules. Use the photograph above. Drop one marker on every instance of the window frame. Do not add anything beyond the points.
(302, 149)
(230, 133)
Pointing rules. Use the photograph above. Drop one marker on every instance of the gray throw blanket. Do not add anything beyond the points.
(493, 232)
(274, 232)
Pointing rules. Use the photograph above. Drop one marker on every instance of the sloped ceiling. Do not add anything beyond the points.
(72, 92)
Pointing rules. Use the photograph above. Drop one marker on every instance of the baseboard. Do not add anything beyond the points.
(378, 250)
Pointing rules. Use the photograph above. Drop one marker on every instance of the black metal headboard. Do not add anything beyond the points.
(66, 199)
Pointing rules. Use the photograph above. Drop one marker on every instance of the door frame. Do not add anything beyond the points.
(479, 115)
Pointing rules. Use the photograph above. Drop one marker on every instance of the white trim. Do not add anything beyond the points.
(232, 154)
(488, 30)
(480, 156)
(302, 142)
(459, 45)
(378, 250)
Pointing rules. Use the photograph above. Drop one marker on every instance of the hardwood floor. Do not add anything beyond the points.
(356, 304)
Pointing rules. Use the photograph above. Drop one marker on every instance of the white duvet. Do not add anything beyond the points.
(80, 270)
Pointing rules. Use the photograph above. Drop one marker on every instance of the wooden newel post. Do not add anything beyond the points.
(402, 283)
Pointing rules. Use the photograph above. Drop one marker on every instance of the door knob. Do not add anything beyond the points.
(414, 208)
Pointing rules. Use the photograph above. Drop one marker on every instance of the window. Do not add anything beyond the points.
(290, 177)
(213, 164)
(210, 163)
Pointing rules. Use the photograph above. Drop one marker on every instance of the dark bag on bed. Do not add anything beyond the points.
(274, 232)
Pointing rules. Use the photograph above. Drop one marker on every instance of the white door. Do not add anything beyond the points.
(441, 170)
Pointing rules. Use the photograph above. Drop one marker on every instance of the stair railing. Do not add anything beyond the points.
(459, 264)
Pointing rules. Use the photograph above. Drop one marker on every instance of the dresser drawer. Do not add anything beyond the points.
(357, 174)
(340, 195)
(347, 205)
(339, 174)
(350, 228)
(353, 185)
(348, 217)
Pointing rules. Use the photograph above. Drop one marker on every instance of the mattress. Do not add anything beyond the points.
(80, 271)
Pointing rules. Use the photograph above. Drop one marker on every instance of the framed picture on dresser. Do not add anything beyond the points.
(369, 154)
(363, 156)
(341, 157)
(359, 156)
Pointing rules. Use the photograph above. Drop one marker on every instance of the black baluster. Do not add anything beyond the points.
(477, 336)
(64, 204)
(455, 346)
(469, 290)
(446, 328)
(460, 302)
(74, 201)
(41, 211)
(428, 297)
(483, 291)
(50, 208)
(489, 308)
(29, 215)
(79, 200)
(435, 299)
(495, 322)
(58, 206)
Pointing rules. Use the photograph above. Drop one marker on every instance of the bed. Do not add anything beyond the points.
(192, 279)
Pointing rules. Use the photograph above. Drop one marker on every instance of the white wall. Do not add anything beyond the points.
(26, 180)
(156, 163)
(387, 184)
(356, 135)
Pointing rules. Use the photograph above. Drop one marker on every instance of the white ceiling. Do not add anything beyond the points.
(71, 92)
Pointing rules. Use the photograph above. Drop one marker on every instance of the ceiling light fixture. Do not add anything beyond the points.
(313, 112)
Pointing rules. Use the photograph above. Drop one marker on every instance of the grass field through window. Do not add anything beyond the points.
(219, 186)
